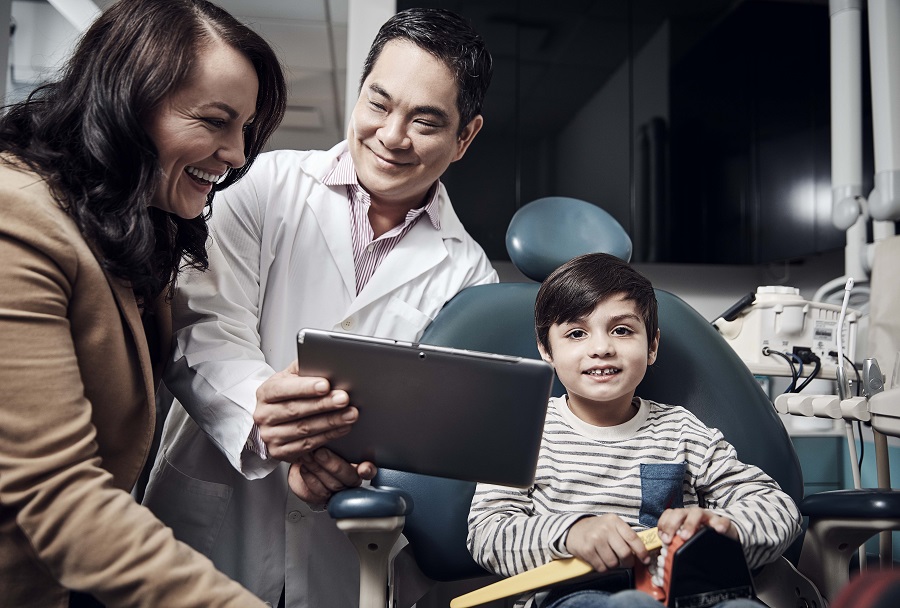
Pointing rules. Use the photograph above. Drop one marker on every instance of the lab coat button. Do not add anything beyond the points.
(295, 516)
(347, 324)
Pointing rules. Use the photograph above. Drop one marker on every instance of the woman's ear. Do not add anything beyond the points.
(654, 348)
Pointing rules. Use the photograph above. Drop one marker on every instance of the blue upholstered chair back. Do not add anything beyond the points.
(695, 368)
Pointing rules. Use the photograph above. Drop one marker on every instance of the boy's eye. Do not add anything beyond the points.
(622, 331)
(576, 334)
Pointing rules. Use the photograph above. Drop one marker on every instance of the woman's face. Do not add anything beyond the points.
(199, 129)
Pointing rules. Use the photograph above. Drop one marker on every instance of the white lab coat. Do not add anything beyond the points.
(281, 259)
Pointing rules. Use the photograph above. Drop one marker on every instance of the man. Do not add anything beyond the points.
(361, 238)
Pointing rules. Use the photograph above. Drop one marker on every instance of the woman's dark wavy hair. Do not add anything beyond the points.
(449, 38)
(84, 133)
(574, 290)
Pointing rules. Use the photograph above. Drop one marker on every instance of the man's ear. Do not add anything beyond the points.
(544, 354)
(654, 348)
(467, 135)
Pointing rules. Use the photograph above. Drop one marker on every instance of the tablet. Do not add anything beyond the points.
(434, 410)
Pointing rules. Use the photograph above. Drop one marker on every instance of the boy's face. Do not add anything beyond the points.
(601, 359)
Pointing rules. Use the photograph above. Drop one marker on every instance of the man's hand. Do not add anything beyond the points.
(686, 522)
(606, 542)
(298, 414)
(319, 475)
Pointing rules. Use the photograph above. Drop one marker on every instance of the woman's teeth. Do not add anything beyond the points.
(204, 176)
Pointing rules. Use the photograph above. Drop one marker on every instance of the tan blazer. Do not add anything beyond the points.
(76, 423)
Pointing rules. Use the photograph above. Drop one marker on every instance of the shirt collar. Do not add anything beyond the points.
(344, 174)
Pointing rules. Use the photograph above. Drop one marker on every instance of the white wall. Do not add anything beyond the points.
(5, 17)
(42, 42)
(364, 19)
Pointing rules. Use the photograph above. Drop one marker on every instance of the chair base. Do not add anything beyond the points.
(373, 539)
(829, 545)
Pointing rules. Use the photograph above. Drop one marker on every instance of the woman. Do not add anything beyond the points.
(104, 175)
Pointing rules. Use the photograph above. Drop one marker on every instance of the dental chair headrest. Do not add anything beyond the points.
(548, 232)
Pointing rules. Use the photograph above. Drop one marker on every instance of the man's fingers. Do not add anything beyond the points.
(366, 470)
(290, 445)
(307, 486)
(285, 386)
(279, 412)
(336, 472)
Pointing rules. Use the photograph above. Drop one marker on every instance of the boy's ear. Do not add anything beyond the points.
(654, 348)
(544, 354)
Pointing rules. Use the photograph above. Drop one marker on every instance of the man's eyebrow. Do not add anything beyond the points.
(221, 105)
(427, 110)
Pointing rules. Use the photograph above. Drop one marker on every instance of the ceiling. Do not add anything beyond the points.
(546, 49)
(310, 38)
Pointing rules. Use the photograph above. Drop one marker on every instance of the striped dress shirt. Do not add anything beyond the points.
(368, 253)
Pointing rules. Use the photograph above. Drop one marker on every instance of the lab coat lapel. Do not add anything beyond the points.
(420, 250)
(332, 212)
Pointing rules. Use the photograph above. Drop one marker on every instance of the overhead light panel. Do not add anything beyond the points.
(80, 13)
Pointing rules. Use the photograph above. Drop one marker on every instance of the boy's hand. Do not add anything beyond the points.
(686, 522)
(606, 542)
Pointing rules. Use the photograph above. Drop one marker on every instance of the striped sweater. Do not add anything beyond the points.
(664, 456)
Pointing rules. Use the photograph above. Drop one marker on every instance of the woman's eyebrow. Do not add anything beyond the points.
(221, 105)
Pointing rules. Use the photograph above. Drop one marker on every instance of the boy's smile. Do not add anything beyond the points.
(601, 359)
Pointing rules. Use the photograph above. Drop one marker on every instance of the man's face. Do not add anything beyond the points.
(404, 130)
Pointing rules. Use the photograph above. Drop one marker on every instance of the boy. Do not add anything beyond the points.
(610, 461)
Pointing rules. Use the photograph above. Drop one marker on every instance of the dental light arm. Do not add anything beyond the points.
(884, 50)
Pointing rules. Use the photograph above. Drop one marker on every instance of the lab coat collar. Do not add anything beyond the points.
(320, 165)
(421, 249)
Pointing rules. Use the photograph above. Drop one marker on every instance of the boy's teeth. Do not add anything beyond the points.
(603, 372)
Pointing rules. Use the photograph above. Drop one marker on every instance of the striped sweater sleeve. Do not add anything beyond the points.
(766, 518)
(506, 535)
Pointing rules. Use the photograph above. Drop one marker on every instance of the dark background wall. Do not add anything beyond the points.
(701, 125)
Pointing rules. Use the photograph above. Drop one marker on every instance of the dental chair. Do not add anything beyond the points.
(695, 368)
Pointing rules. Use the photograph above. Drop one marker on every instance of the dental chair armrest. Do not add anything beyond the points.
(840, 521)
(369, 502)
(852, 504)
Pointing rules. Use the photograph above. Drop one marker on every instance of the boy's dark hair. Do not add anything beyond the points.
(574, 289)
(451, 39)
